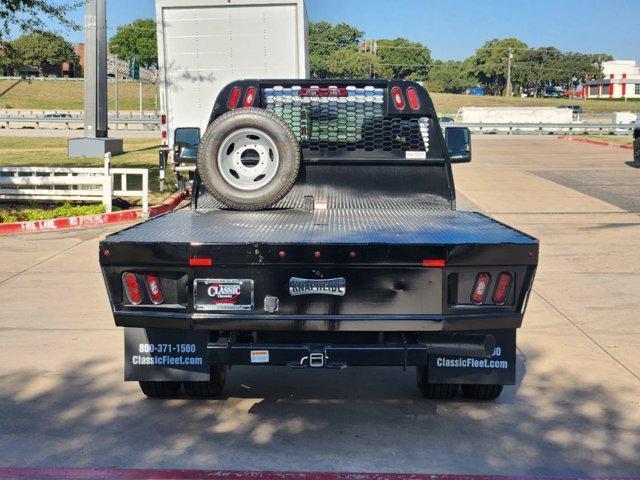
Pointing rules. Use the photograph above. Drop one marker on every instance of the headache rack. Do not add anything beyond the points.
(346, 120)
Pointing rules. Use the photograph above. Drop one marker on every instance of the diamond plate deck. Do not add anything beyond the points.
(415, 226)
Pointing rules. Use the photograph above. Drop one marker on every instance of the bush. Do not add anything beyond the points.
(13, 214)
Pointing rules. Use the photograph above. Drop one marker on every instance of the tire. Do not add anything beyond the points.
(436, 391)
(160, 389)
(482, 392)
(212, 388)
(248, 159)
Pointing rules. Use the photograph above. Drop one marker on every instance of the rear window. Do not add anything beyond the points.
(353, 120)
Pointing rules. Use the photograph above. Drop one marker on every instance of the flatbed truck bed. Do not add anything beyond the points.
(365, 262)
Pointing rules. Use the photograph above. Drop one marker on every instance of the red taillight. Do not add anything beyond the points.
(249, 97)
(163, 119)
(164, 134)
(414, 99)
(480, 288)
(200, 262)
(155, 290)
(502, 288)
(234, 98)
(398, 98)
(323, 92)
(433, 263)
(132, 288)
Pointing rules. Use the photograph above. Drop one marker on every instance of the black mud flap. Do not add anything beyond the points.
(500, 369)
(155, 354)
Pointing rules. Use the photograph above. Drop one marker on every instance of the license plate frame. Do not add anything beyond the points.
(223, 294)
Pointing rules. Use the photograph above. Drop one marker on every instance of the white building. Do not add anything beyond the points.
(621, 80)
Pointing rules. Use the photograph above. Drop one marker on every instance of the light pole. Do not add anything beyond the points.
(509, 72)
(96, 141)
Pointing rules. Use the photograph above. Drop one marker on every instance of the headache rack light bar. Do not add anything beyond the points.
(323, 92)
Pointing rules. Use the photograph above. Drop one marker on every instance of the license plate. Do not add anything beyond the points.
(223, 294)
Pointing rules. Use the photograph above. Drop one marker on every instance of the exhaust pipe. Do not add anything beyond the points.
(463, 345)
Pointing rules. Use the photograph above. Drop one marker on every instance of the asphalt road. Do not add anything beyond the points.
(575, 410)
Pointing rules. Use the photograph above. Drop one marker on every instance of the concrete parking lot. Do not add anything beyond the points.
(574, 411)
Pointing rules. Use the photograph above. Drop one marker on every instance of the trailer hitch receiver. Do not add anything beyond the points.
(316, 360)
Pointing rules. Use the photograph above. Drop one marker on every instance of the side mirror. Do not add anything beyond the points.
(458, 140)
(185, 143)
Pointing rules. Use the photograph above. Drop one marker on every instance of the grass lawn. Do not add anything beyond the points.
(61, 95)
(51, 151)
(450, 103)
(619, 139)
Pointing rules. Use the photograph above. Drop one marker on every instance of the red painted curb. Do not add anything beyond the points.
(596, 142)
(144, 474)
(88, 220)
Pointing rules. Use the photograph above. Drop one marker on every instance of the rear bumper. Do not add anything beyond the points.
(321, 323)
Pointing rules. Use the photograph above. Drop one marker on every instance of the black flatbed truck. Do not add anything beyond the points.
(366, 262)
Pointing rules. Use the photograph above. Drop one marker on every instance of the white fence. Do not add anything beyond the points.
(74, 184)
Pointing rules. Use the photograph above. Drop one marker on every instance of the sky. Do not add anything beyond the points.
(453, 29)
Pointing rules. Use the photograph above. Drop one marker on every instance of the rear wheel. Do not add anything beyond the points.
(160, 389)
(482, 392)
(437, 391)
(212, 388)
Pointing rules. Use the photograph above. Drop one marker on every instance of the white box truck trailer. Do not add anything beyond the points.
(205, 44)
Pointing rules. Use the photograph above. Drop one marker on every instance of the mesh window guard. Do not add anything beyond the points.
(352, 122)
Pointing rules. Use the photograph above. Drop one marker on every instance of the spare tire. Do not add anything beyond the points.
(248, 159)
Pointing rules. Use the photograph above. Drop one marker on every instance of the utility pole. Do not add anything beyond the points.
(96, 129)
(117, 92)
(509, 72)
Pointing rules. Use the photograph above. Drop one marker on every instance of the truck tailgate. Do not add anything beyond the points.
(409, 269)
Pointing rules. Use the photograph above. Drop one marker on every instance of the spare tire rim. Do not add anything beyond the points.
(248, 159)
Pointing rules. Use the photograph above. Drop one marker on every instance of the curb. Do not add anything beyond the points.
(86, 221)
(144, 474)
(596, 142)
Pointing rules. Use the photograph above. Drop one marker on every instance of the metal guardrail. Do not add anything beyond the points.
(546, 128)
(7, 121)
(500, 128)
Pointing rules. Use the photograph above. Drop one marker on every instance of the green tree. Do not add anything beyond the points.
(34, 15)
(40, 50)
(578, 67)
(404, 58)
(350, 63)
(325, 39)
(451, 76)
(137, 40)
(489, 63)
(7, 59)
(538, 68)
